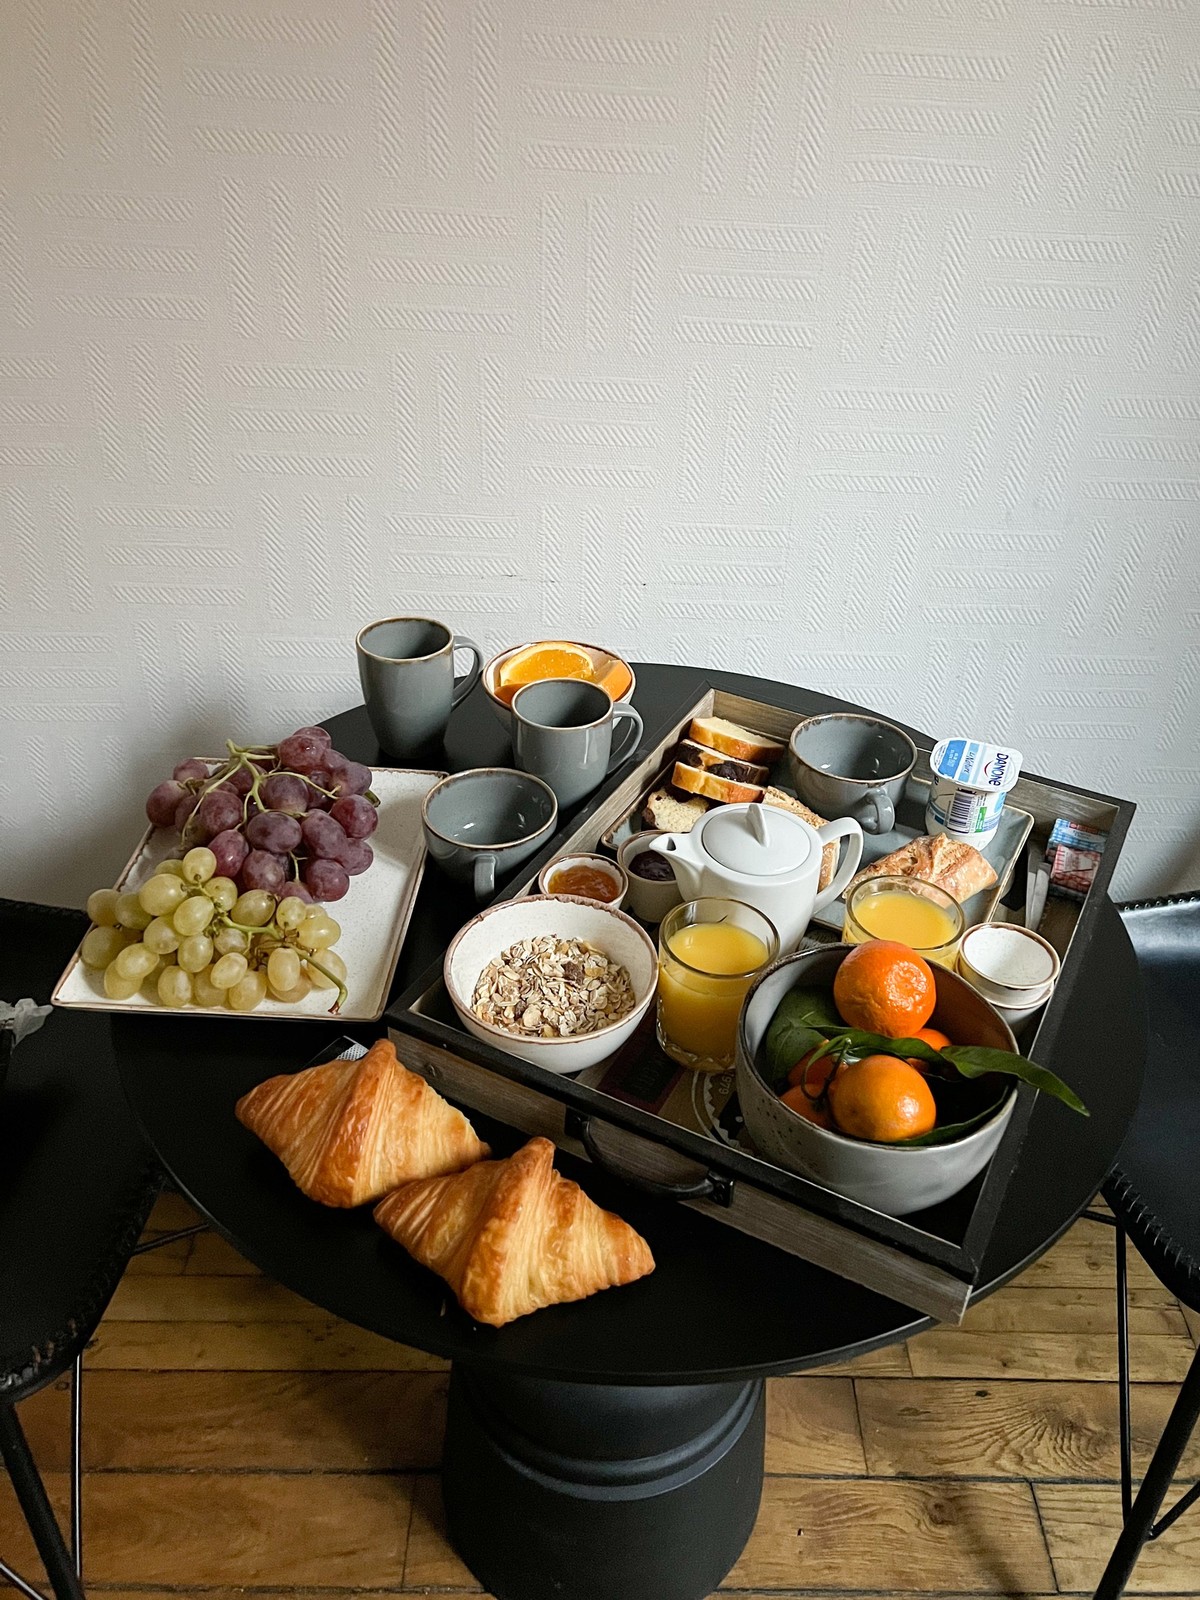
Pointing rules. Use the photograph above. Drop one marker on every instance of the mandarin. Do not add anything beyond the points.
(813, 1077)
(884, 987)
(883, 1099)
(796, 1100)
(933, 1037)
(936, 1040)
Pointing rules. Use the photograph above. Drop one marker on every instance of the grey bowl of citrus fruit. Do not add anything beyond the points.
(896, 1174)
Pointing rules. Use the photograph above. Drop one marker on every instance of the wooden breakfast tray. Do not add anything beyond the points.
(642, 1118)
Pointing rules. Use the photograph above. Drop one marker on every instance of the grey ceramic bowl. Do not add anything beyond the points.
(895, 1179)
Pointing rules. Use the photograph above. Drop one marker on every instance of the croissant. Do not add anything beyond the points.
(512, 1236)
(349, 1131)
(952, 864)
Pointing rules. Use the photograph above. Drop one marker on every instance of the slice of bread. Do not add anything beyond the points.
(829, 855)
(731, 740)
(674, 815)
(727, 790)
(696, 755)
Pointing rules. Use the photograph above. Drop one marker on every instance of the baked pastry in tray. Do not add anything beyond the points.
(951, 864)
(348, 1131)
(510, 1237)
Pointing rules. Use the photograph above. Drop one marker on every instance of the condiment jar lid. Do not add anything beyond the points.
(759, 840)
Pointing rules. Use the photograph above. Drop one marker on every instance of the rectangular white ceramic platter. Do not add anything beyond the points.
(1003, 851)
(374, 915)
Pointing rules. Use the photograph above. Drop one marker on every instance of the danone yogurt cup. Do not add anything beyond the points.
(970, 780)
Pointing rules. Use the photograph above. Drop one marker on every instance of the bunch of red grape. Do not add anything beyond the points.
(292, 818)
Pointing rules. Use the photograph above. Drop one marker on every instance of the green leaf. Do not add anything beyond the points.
(971, 1060)
(794, 1029)
(974, 1060)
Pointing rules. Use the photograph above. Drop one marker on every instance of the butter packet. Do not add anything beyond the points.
(1073, 855)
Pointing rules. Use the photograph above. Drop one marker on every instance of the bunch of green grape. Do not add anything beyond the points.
(194, 940)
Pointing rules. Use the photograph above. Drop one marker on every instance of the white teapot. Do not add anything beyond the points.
(767, 858)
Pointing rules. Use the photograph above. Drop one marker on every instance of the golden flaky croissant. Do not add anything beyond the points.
(955, 866)
(512, 1236)
(349, 1131)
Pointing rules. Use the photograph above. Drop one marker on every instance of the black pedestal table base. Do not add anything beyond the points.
(576, 1491)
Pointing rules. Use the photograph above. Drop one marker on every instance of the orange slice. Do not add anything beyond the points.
(551, 658)
(614, 676)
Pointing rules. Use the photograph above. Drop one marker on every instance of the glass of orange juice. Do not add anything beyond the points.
(709, 953)
(909, 910)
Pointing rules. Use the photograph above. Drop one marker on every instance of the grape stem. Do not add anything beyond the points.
(272, 930)
(333, 978)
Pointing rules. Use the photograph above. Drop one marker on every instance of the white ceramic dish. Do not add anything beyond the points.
(894, 1179)
(374, 915)
(648, 898)
(493, 930)
(491, 673)
(1008, 963)
(615, 874)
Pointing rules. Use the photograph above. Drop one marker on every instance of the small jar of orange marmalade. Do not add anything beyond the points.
(588, 877)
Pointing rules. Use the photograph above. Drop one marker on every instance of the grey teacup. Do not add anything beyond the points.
(406, 668)
(562, 730)
(481, 824)
(849, 765)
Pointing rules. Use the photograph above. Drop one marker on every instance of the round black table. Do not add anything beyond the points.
(615, 1446)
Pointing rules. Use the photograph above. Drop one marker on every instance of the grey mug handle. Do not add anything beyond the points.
(464, 685)
(485, 877)
(625, 743)
(881, 813)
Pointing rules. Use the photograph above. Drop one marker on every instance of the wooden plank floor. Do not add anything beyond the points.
(240, 1443)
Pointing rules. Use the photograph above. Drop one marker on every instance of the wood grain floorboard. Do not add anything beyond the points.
(812, 1427)
(964, 1353)
(1085, 1255)
(166, 1260)
(886, 1535)
(232, 1529)
(320, 1346)
(1082, 1521)
(212, 1256)
(891, 1361)
(258, 1421)
(171, 1211)
(430, 1561)
(1007, 1429)
(235, 1298)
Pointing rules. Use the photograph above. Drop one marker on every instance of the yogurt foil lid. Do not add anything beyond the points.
(976, 765)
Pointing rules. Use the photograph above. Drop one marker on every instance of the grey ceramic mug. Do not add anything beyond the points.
(406, 668)
(849, 765)
(563, 730)
(481, 824)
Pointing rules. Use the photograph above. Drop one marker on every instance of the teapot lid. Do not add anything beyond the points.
(760, 840)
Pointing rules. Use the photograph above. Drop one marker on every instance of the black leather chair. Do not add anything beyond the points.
(76, 1186)
(1154, 1193)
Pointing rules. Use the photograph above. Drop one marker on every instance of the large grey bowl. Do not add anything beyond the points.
(896, 1179)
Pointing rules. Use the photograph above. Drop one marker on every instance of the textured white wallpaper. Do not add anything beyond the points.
(853, 343)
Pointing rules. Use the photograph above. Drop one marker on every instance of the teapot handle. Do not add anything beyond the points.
(842, 828)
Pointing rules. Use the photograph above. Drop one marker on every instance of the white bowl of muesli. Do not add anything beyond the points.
(559, 981)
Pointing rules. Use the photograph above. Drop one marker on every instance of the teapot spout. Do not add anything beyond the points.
(681, 851)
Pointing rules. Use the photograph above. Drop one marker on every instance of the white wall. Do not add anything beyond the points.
(854, 343)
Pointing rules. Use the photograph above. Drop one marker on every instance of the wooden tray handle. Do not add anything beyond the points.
(713, 1186)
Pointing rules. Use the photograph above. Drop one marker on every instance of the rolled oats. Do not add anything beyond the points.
(552, 988)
